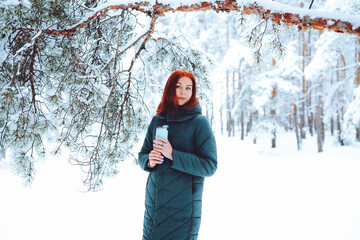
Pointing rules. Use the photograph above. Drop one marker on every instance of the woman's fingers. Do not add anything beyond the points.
(161, 140)
(162, 145)
(157, 146)
(155, 157)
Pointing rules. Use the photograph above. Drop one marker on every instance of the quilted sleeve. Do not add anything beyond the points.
(204, 162)
(143, 156)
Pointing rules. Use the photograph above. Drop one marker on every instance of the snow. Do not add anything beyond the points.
(352, 114)
(3, 53)
(257, 193)
(6, 3)
(284, 8)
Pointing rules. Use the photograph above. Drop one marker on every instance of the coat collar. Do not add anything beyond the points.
(183, 114)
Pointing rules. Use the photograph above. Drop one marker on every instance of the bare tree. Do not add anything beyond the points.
(357, 61)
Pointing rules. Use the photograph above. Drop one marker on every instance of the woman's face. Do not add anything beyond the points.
(184, 88)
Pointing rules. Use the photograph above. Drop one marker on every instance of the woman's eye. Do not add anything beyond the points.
(178, 87)
(188, 88)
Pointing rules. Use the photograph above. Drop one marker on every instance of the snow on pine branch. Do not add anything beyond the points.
(278, 12)
(28, 45)
(277, 7)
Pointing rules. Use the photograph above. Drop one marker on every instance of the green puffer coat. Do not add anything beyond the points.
(174, 188)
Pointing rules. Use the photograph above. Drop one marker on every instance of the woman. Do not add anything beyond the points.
(174, 187)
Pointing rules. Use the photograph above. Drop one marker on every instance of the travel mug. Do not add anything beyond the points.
(162, 131)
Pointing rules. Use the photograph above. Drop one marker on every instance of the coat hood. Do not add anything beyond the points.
(183, 114)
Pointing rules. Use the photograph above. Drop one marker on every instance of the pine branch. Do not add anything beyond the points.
(127, 94)
(289, 15)
(128, 46)
(98, 165)
(276, 45)
(31, 75)
(256, 40)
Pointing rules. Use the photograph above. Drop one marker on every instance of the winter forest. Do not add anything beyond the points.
(76, 76)
(278, 80)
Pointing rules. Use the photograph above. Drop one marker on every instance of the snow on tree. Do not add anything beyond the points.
(268, 10)
(84, 89)
(352, 115)
(330, 79)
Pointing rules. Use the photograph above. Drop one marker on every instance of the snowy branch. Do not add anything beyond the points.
(269, 10)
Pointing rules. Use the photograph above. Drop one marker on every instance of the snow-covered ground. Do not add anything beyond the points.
(258, 193)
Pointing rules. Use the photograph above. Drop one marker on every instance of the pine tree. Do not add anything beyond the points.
(84, 87)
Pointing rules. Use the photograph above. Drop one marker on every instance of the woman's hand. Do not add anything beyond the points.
(163, 146)
(155, 157)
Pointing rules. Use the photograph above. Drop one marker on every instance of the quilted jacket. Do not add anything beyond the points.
(174, 189)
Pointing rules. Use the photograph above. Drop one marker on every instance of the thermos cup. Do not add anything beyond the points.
(162, 131)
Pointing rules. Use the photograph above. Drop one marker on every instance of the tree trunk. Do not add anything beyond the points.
(357, 57)
(302, 114)
(233, 104)
(221, 121)
(253, 117)
(242, 125)
(310, 113)
(228, 109)
(273, 138)
(340, 110)
(339, 133)
(273, 131)
(242, 106)
(273, 111)
(249, 123)
(320, 127)
(210, 113)
(358, 78)
(298, 138)
(273, 116)
(319, 119)
(311, 123)
(332, 121)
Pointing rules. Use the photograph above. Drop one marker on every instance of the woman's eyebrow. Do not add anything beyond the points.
(190, 85)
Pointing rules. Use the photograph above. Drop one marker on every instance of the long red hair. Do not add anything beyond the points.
(169, 100)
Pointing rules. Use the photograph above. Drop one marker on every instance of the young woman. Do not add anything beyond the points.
(178, 165)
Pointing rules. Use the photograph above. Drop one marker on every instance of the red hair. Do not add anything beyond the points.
(169, 100)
